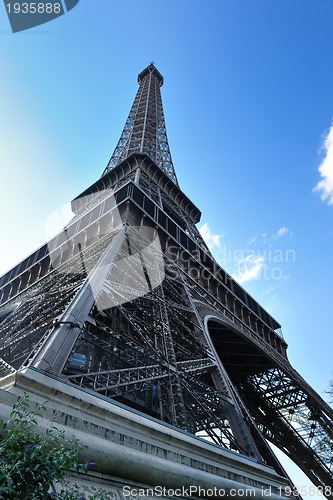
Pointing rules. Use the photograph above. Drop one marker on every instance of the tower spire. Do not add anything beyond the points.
(145, 130)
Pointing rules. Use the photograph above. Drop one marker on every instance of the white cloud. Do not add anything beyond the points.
(248, 263)
(212, 240)
(249, 268)
(283, 231)
(325, 185)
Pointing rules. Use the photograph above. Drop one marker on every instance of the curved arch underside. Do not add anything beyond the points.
(285, 410)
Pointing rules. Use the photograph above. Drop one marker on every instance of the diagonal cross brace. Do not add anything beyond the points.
(53, 355)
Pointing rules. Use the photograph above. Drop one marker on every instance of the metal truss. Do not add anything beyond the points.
(28, 318)
(293, 420)
(150, 353)
(184, 222)
(145, 130)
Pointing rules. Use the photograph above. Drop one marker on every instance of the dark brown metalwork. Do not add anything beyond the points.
(128, 302)
(145, 130)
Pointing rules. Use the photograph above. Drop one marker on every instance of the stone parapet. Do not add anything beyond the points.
(134, 452)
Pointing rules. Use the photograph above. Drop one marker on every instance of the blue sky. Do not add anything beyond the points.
(248, 100)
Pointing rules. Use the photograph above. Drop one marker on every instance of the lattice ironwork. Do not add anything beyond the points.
(151, 354)
(297, 416)
(145, 130)
(27, 319)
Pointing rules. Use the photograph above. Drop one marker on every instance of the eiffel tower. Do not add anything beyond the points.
(128, 305)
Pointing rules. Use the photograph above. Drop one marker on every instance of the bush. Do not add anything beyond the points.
(35, 467)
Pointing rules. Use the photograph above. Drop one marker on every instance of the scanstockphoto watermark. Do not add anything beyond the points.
(24, 14)
(215, 492)
(133, 262)
(242, 264)
(198, 491)
(249, 264)
(227, 254)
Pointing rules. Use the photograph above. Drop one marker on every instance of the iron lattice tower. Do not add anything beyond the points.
(145, 130)
(128, 302)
